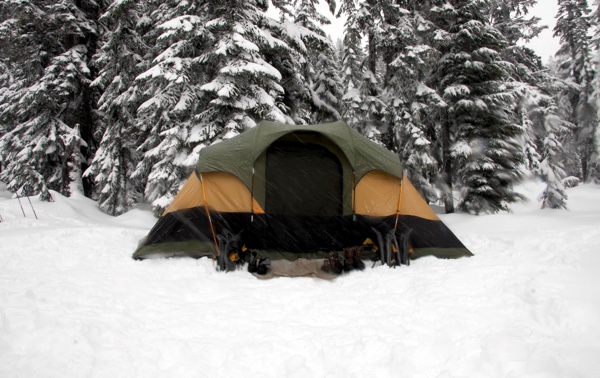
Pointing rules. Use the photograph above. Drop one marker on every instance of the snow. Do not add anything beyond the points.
(74, 303)
(462, 148)
(185, 101)
(243, 43)
(259, 68)
(185, 23)
(458, 90)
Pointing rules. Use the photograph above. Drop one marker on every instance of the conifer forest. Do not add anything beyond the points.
(116, 98)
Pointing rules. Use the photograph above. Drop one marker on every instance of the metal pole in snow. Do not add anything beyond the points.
(19, 198)
(32, 207)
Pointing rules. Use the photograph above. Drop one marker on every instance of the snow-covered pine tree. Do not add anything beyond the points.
(6, 79)
(14, 72)
(50, 99)
(528, 104)
(514, 20)
(292, 50)
(367, 111)
(5, 84)
(327, 87)
(317, 98)
(120, 60)
(574, 63)
(171, 90)
(547, 127)
(287, 58)
(350, 49)
(338, 47)
(595, 168)
(352, 58)
(480, 123)
(544, 129)
(244, 87)
(542, 123)
(210, 80)
(364, 108)
(412, 104)
(307, 16)
(322, 85)
(530, 148)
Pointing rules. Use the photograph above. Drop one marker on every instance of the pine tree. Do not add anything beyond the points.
(480, 133)
(171, 90)
(530, 147)
(121, 60)
(595, 168)
(245, 87)
(321, 90)
(544, 127)
(50, 101)
(513, 19)
(5, 84)
(286, 58)
(574, 58)
(351, 51)
(210, 79)
(545, 130)
(413, 105)
(327, 88)
(313, 92)
(352, 70)
(364, 108)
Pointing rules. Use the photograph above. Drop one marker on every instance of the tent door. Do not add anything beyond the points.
(303, 179)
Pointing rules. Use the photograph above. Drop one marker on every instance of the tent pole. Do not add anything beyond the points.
(252, 197)
(399, 203)
(353, 196)
(212, 227)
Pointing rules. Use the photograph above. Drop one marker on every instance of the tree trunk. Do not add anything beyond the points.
(88, 104)
(372, 58)
(447, 167)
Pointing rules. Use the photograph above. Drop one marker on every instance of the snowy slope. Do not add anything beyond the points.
(74, 304)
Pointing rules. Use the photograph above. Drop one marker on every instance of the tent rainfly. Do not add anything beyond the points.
(283, 192)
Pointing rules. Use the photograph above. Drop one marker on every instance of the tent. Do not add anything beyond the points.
(302, 191)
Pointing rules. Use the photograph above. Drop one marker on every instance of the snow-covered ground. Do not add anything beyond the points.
(74, 304)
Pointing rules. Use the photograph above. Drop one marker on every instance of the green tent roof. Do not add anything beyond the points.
(238, 154)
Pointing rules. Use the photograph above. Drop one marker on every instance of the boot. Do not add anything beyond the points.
(332, 263)
(357, 258)
(348, 259)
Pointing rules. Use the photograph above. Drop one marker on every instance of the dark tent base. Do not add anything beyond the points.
(189, 233)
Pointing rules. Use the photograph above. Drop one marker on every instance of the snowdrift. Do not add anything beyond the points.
(74, 303)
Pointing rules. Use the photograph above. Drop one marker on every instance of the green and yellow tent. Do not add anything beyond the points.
(298, 191)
